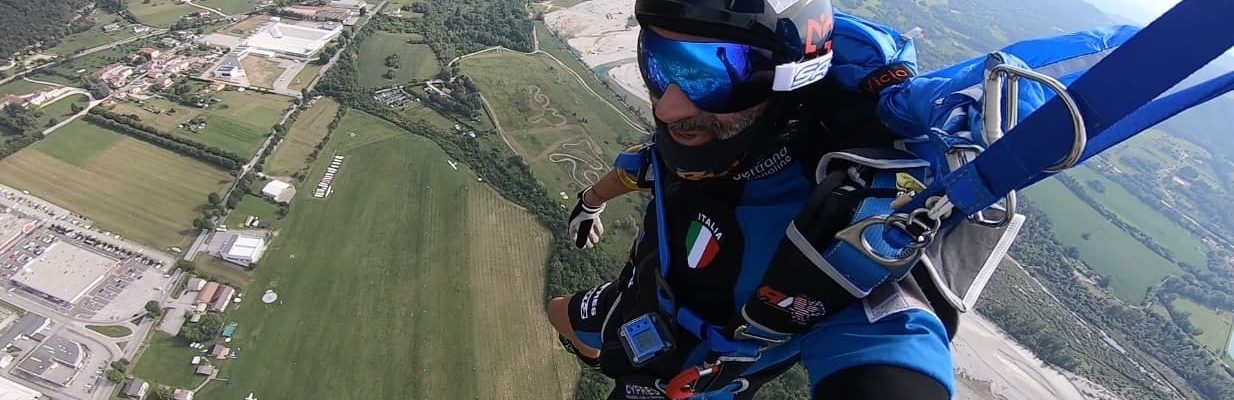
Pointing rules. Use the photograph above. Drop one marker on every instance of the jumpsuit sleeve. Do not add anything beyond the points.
(631, 164)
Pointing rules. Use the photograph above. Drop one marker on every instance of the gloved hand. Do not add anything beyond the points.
(585, 226)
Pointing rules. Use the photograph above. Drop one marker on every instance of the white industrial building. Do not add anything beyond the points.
(354, 5)
(64, 273)
(243, 250)
(10, 390)
(291, 40)
(279, 191)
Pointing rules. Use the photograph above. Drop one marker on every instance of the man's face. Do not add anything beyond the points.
(689, 125)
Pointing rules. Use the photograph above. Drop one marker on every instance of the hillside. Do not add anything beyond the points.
(26, 23)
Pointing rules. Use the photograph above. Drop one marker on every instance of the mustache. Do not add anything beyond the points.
(701, 123)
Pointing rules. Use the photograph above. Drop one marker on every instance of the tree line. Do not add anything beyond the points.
(1143, 330)
(127, 125)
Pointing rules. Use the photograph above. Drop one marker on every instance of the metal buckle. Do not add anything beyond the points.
(994, 125)
(854, 235)
(993, 108)
(743, 332)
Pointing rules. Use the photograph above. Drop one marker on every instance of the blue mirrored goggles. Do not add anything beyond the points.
(717, 77)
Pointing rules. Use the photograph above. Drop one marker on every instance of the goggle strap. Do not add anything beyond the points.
(795, 75)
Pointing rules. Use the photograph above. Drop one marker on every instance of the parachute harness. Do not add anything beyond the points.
(888, 235)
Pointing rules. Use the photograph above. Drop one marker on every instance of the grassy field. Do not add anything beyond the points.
(261, 71)
(568, 136)
(304, 77)
(239, 123)
(1158, 146)
(252, 205)
(292, 153)
(95, 36)
(167, 361)
(417, 60)
(160, 13)
(552, 45)
(135, 189)
(223, 271)
(1185, 246)
(20, 87)
(392, 283)
(245, 27)
(1216, 325)
(1110, 251)
(61, 109)
(229, 7)
(114, 331)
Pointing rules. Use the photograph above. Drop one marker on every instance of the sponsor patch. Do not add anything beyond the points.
(802, 309)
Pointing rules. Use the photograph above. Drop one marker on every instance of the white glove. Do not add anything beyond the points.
(585, 226)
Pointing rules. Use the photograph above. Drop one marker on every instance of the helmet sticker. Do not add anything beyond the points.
(780, 5)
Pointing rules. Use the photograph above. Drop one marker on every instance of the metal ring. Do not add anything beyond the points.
(854, 235)
(1080, 138)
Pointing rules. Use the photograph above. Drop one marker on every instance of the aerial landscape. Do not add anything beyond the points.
(370, 199)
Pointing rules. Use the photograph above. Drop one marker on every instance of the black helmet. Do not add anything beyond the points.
(797, 32)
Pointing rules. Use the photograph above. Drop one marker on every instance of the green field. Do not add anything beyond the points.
(167, 361)
(160, 13)
(114, 331)
(310, 128)
(238, 124)
(552, 45)
(229, 7)
(135, 189)
(1185, 246)
(1158, 146)
(20, 87)
(1215, 326)
(1110, 251)
(251, 205)
(391, 288)
(95, 36)
(304, 77)
(417, 61)
(568, 136)
(61, 109)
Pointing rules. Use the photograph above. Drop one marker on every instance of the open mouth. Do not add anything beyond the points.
(691, 138)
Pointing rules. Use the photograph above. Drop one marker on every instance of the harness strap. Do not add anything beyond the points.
(1126, 80)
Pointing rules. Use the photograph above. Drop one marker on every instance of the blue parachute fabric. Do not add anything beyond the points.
(861, 47)
(1125, 80)
(926, 102)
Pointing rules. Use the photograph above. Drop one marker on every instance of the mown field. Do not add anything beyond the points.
(160, 13)
(417, 61)
(238, 123)
(1185, 246)
(61, 109)
(1110, 251)
(20, 87)
(310, 128)
(412, 280)
(568, 136)
(229, 7)
(166, 361)
(254, 206)
(140, 191)
(1215, 325)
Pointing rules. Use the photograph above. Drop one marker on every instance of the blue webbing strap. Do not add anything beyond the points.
(715, 338)
(1154, 113)
(1186, 38)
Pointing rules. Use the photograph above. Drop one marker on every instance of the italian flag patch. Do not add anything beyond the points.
(702, 244)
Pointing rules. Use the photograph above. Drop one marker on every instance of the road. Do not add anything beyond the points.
(206, 8)
(201, 236)
(20, 74)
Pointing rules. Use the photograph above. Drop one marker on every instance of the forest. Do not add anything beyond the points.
(25, 23)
